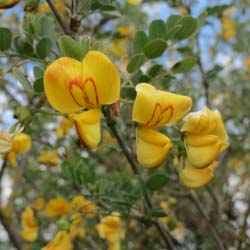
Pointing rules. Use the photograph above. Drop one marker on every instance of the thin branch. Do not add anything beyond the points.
(205, 82)
(4, 165)
(244, 227)
(198, 204)
(112, 125)
(58, 17)
(13, 234)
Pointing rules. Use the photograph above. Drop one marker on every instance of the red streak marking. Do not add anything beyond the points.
(161, 115)
(89, 79)
(82, 87)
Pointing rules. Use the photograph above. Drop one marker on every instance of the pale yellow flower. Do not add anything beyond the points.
(57, 207)
(29, 225)
(205, 137)
(80, 204)
(61, 241)
(110, 228)
(152, 109)
(49, 157)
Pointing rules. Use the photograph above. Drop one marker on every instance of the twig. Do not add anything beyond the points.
(4, 165)
(112, 125)
(205, 82)
(244, 227)
(198, 204)
(13, 234)
(58, 17)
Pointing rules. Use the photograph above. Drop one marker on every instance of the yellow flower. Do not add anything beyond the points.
(247, 63)
(179, 232)
(152, 147)
(5, 142)
(205, 137)
(21, 144)
(87, 125)
(49, 157)
(58, 4)
(29, 234)
(117, 48)
(38, 204)
(80, 204)
(71, 86)
(29, 225)
(60, 242)
(77, 227)
(194, 177)
(153, 109)
(134, 2)
(110, 228)
(64, 128)
(124, 30)
(57, 207)
(228, 28)
(5, 4)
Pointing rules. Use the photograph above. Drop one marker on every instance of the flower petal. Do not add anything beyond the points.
(152, 147)
(194, 178)
(155, 108)
(21, 143)
(61, 82)
(203, 150)
(29, 234)
(88, 127)
(61, 241)
(101, 78)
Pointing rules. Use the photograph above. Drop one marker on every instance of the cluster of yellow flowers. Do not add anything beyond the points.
(19, 144)
(58, 207)
(110, 229)
(82, 85)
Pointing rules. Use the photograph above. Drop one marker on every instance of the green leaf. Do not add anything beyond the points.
(108, 7)
(113, 13)
(38, 72)
(44, 47)
(201, 19)
(139, 41)
(69, 47)
(84, 46)
(135, 63)
(44, 26)
(155, 70)
(157, 29)
(144, 78)
(156, 212)
(22, 79)
(5, 39)
(155, 48)
(157, 181)
(172, 222)
(38, 85)
(172, 32)
(96, 6)
(23, 46)
(217, 10)
(172, 21)
(189, 25)
(214, 71)
(185, 65)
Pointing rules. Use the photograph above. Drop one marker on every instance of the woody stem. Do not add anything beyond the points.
(112, 125)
